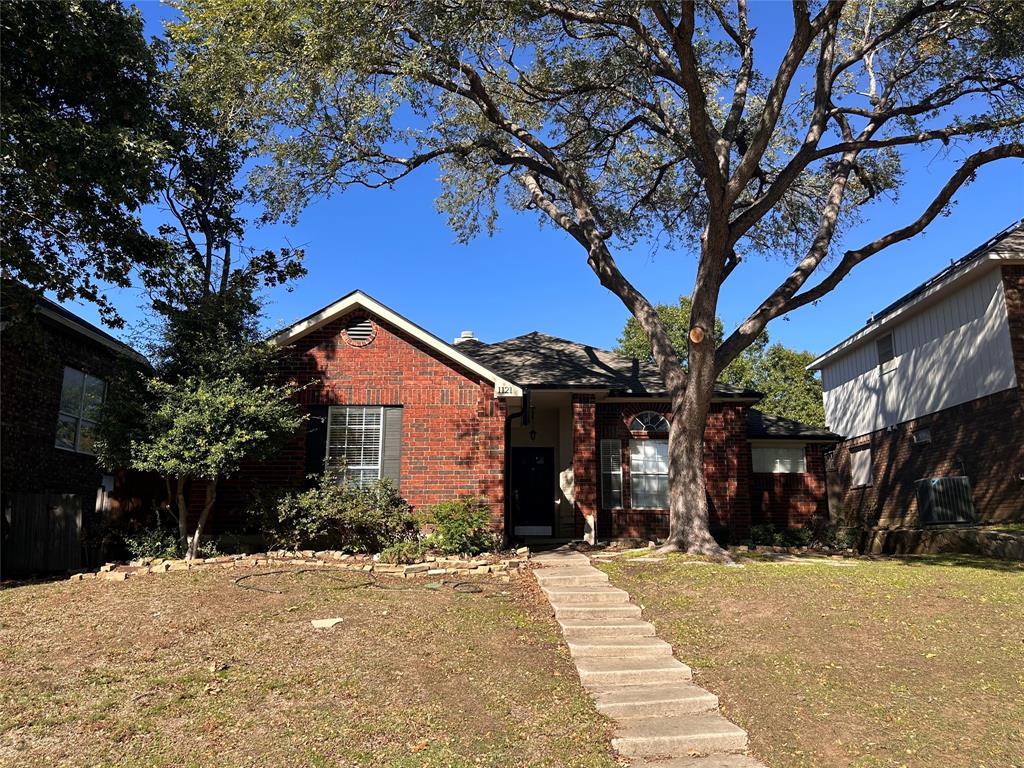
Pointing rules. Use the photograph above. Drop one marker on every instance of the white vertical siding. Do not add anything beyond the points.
(955, 350)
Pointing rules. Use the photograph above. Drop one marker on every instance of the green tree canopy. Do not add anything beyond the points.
(83, 142)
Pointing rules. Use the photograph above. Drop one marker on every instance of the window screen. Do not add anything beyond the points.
(779, 459)
(648, 474)
(81, 397)
(885, 348)
(860, 467)
(354, 442)
(611, 474)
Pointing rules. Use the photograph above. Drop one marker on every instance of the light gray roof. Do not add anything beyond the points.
(540, 361)
(765, 426)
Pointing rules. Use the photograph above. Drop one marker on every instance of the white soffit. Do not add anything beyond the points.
(358, 299)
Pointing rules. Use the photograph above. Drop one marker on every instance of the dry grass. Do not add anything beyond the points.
(187, 669)
(914, 663)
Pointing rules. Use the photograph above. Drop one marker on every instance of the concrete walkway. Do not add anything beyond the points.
(661, 717)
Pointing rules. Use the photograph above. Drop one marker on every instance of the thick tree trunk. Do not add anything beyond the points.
(688, 522)
(211, 495)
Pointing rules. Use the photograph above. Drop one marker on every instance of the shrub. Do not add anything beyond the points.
(461, 526)
(335, 515)
(405, 552)
(152, 543)
(765, 535)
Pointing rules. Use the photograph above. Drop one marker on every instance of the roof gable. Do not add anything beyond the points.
(503, 387)
(1006, 246)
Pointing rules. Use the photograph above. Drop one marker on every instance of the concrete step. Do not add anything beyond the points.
(561, 559)
(618, 647)
(596, 611)
(678, 736)
(705, 761)
(587, 594)
(660, 670)
(570, 576)
(628, 702)
(580, 629)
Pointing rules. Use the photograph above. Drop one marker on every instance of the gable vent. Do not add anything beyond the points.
(360, 331)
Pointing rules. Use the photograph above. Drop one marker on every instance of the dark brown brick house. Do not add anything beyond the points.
(56, 501)
(930, 398)
(562, 439)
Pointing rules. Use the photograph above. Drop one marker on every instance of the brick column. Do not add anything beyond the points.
(584, 459)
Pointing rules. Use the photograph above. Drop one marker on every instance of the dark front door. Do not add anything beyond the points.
(533, 491)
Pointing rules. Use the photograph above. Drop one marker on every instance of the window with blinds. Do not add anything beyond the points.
(355, 442)
(648, 474)
(611, 474)
(779, 460)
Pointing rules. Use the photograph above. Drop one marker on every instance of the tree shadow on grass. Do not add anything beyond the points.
(953, 560)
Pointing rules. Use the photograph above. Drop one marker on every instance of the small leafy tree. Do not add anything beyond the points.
(202, 429)
(213, 399)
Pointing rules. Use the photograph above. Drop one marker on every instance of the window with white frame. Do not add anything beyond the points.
(860, 467)
(779, 459)
(648, 421)
(355, 438)
(648, 474)
(611, 474)
(81, 397)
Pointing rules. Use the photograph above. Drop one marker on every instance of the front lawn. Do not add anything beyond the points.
(889, 663)
(188, 669)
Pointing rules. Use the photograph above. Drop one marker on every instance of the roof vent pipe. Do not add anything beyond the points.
(465, 336)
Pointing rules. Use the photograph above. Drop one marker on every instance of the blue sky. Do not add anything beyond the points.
(393, 245)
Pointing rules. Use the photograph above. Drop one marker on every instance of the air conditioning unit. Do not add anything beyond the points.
(945, 500)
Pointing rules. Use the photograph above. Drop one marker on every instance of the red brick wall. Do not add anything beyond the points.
(726, 472)
(453, 439)
(790, 500)
(980, 438)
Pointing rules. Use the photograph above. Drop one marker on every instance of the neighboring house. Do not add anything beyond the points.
(930, 398)
(54, 498)
(561, 439)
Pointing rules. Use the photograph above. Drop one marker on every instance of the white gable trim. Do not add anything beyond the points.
(359, 300)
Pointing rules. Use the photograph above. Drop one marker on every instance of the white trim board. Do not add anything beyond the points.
(359, 300)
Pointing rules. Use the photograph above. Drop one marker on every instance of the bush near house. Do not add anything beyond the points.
(341, 516)
(461, 526)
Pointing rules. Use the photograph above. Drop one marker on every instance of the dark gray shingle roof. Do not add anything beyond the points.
(548, 362)
(765, 426)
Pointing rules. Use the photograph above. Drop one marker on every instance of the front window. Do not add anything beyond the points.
(354, 442)
(648, 474)
(611, 474)
(779, 459)
(81, 397)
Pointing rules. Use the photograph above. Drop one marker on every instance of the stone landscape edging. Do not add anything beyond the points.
(448, 565)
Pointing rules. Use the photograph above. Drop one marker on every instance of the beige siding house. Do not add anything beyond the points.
(928, 397)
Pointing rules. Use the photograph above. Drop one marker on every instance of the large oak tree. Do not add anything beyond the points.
(617, 121)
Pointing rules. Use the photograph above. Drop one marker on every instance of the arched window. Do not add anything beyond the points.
(649, 421)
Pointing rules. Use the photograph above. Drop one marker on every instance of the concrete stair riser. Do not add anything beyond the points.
(625, 611)
(597, 672)
(572, 579)
(620, 648)
(679, 736)
(586, 629)
(645, 701)
(586, 595)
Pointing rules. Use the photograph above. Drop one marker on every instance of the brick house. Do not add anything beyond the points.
(55, 499)
(930, 398)
(562, 439)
